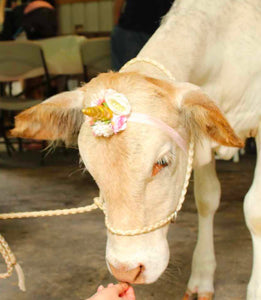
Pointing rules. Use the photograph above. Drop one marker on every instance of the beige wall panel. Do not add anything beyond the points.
(94, 16)
(78, 14)
(105, 17)
(91, 13)
(65, 18)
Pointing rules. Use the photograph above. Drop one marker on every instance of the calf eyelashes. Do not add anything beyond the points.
(162, 163)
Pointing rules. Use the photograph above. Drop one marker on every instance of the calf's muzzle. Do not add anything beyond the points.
(124, 274)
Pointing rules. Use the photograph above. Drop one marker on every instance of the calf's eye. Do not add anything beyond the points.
(158, 166)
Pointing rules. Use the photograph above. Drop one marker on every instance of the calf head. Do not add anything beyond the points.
(140, 171)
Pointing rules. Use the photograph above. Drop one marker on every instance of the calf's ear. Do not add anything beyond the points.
(57, 118)
(200, 114)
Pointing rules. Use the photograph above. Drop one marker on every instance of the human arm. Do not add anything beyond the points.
(118, 5)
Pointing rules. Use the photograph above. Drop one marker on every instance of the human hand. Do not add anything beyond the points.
(121, 291)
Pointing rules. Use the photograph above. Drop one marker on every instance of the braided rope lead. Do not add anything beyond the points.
(49, 213)
(10, 262)
(8, 258)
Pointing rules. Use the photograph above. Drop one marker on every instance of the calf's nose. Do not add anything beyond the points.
(124, 274)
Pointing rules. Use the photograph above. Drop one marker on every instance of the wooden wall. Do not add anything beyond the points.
(2, 8)
(85, 15)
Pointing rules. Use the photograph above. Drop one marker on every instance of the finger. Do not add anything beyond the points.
(100, 288)
(121, 287)
(110, 285)
(130, 294)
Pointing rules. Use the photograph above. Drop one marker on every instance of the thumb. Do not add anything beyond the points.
(121, 287)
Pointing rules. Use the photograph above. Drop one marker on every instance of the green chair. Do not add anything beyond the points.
(18, 62)
(96, 56)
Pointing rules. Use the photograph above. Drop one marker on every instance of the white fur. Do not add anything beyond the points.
(252, 209)
(216, 45)
(213, 46)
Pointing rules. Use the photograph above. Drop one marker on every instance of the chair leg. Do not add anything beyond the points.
(9, 147)
(2, 89)
(85, 74)
(20, 145)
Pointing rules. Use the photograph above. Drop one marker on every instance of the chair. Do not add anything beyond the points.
(18, 61)
(96, 56)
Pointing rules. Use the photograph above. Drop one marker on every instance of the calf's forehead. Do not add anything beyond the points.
(134, 150)
(129, 152)
(145, 94)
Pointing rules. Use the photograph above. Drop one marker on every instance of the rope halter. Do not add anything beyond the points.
(110, 115)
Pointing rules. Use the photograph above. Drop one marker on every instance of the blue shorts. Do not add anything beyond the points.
(125, 45)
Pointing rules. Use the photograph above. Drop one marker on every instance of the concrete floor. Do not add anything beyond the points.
(63, 257)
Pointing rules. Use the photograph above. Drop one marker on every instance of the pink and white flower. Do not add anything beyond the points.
(119, 105)
(119, 123)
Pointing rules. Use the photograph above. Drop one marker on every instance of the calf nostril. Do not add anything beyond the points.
(140, 271)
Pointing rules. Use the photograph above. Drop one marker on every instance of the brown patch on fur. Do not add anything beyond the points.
(49, 121)
(202, 113)
(163, 85)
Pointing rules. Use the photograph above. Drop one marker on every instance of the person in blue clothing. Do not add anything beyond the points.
(36, 17)
(135, 21)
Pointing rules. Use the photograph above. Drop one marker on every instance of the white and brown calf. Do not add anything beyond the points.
(123, 164)
(216, 46)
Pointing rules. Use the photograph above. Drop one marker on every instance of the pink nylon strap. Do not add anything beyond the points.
(146, 119)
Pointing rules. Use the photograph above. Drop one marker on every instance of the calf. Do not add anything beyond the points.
(139, 149)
